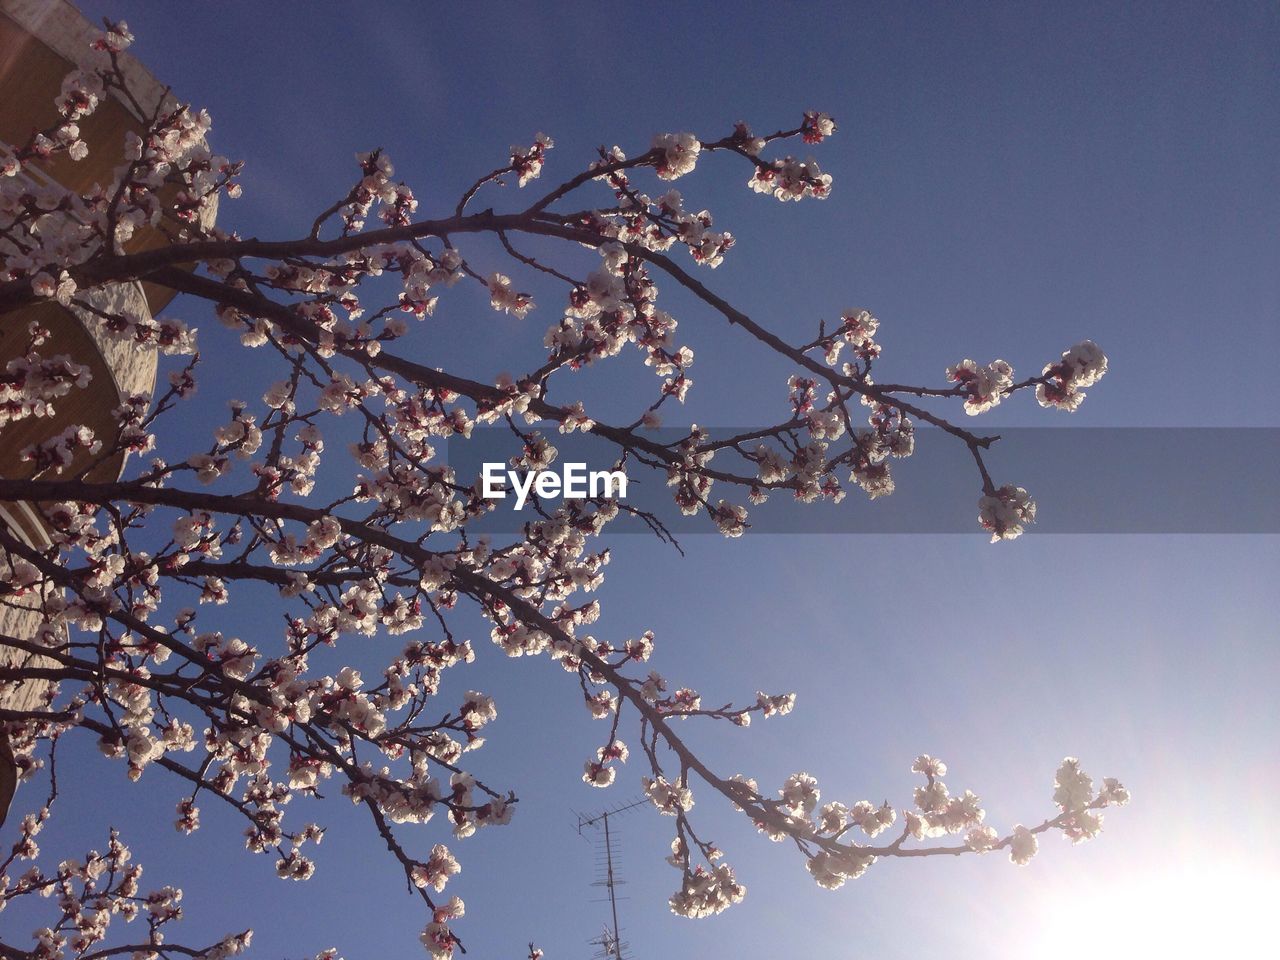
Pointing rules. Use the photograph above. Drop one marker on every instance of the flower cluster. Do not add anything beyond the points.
(1006, 512)
(1081, 366)
(30, 383)
(706, 891)
(983, 386)
(677, 154)
(507, 300)
(791, 179)
(527, 161)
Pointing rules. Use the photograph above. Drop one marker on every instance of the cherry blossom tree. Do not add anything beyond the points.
(128, 594)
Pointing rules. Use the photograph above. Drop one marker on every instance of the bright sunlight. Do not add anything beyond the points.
(1194, 912)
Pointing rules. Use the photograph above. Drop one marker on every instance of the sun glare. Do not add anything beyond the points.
(1218, 911)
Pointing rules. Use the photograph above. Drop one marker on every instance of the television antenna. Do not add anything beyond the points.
(610, 940)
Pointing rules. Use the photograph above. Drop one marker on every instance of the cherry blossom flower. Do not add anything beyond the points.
(679, 154)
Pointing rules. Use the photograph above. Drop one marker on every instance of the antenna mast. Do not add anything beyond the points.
(610, 941)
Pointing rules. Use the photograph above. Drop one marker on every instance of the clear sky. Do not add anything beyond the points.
(1009, 179)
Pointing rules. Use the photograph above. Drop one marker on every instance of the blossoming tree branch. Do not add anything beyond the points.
(129, 647)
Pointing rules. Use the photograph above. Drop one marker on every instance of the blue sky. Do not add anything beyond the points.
(1010, 178)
